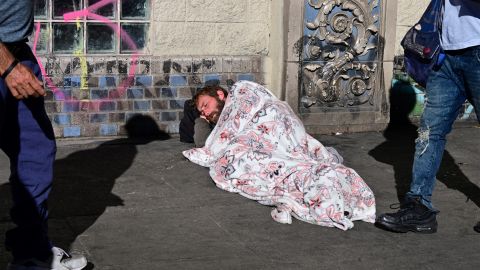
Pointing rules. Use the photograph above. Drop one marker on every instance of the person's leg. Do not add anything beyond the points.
(472, 78)
(29, 142)
(472, 85)
(444, 96)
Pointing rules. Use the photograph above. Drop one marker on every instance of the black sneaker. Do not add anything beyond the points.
(413, 216)
(477, 227)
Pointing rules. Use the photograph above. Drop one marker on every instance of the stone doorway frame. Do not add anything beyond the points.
(324, 123)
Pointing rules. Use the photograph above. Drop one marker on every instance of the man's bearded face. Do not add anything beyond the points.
(213, 118)
(210, 107)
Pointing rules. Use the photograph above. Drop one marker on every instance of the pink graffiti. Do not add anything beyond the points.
(89, 12)
(48, 81)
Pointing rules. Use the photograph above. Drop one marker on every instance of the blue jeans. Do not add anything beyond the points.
(27, 137)
(457, 80)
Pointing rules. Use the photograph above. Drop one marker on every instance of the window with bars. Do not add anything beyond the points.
(92, 35)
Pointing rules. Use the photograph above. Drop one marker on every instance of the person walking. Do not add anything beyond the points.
(457, 80)
(27, 138)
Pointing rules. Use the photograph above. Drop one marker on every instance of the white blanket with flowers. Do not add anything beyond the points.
(259, 149)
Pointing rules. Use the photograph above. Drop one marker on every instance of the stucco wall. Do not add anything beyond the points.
(210, 27)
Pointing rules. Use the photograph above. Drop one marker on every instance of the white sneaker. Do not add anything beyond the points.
(60, 260)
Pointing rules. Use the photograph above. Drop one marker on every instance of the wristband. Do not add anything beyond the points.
(9, 69)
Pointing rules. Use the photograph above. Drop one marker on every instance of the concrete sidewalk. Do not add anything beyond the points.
(144, 206)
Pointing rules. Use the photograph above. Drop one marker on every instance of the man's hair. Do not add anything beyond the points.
(210, 90)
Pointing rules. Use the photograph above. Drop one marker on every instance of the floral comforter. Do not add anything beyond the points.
(259, 149)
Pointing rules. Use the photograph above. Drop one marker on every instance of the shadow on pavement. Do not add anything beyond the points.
(399, 148)
(83, 181)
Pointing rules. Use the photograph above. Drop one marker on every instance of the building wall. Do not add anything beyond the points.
(190, 43)
(210, 27)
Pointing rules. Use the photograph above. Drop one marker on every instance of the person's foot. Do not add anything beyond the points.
(60, 260)
(477, 227)
(413, 216)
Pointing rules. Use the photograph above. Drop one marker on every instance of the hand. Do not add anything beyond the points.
(23, 83)
(205, 118)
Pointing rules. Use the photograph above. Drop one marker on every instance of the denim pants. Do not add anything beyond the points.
(457, 80)
(27, 138)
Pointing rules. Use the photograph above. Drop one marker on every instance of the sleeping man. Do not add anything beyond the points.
(259, 149)
(195, 128)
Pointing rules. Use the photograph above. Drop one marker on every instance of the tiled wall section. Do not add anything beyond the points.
(95, 97)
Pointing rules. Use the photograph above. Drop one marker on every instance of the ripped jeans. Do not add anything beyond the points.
(457, 80)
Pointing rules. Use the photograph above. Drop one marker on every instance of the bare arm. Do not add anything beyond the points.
(21, 81)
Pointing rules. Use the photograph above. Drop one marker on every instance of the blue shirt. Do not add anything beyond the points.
(461, 24)
(16, 20)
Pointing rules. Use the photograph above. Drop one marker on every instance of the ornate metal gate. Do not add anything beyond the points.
(339, 66)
